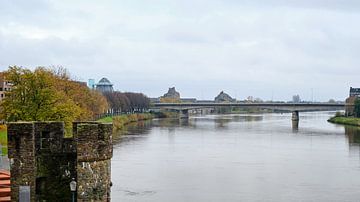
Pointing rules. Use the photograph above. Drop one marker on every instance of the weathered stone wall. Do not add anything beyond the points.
(46, 161)
(94, 181)
(55, 162)
(21, 152)
(94, 151)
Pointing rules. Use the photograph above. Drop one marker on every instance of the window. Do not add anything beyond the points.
(45, 140)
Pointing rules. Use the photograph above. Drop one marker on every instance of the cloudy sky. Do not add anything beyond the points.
(270, 49)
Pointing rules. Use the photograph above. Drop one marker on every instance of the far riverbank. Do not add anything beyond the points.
(119, 122)
(351, 121)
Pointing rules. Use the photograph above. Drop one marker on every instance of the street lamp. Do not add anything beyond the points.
(73, 188)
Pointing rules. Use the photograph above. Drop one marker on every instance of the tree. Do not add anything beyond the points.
(357, 108)
(331, 101)
(127, 102)
(48, 95)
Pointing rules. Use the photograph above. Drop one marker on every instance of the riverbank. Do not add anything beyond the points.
(345, 120)
(119, 122)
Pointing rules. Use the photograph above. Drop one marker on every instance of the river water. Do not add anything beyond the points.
(250, 157)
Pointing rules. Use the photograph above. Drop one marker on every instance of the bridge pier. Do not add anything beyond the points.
(295, 125)
(295, 116)
(184, 114)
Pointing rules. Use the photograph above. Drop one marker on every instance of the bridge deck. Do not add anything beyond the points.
(279, 106)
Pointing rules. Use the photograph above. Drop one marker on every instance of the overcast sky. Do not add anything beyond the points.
(270, 49)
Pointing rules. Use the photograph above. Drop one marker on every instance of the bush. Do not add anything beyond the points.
(339, 114)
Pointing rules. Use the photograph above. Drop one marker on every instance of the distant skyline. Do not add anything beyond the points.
(271, 49)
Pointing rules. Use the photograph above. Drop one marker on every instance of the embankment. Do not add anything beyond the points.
(345, 120)
(120, 121)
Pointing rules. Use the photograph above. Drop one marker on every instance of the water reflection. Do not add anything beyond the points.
(353, 134)
(295, 125)
(173, 123)
(132, 132)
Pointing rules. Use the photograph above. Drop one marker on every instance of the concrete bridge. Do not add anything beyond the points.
(295, 108)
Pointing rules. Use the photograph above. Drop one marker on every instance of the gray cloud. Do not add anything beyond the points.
(273, 48)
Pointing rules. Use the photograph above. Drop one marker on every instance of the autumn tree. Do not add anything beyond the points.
(49, 95)
(90, 101)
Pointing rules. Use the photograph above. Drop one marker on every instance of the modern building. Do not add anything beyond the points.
(104, 85)
(91, 83)
(4, 85)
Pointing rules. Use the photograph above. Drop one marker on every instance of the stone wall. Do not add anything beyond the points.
(94, 151)
(21, 152)
(43, 159)
(55, 161)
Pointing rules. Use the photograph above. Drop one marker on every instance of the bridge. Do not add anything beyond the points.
(295, 108)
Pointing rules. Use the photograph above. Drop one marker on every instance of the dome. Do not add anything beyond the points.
(104, 81)
(104, 85)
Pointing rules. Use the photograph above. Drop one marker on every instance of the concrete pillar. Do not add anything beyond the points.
(184, 114)
(295, 125)
(295, 116)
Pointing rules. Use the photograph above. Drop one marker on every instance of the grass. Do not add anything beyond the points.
(345, 120)
(106, 119)
(120, 121)
(3, 139)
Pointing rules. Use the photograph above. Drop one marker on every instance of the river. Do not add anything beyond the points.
(250, 157)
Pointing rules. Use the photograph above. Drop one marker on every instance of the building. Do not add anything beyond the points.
(354, 94)
(91, 83)
(224, 97)
(172, 93)
(4, 85)
(296, 99)
(171, 96)
(104, 85)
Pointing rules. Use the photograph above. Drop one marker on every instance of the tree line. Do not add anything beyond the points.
(49, 94)
(127, 102)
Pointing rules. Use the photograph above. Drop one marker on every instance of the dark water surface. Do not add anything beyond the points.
(238, 158)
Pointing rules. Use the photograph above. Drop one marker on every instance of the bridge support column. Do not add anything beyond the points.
(295, 125)
(295, 116)
(184, 114)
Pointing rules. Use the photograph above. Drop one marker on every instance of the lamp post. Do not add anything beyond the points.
(73, 188)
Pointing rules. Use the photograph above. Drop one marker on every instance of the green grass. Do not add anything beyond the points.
(106, 119)
(345, 120)
(120, 121)
(3, 141)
